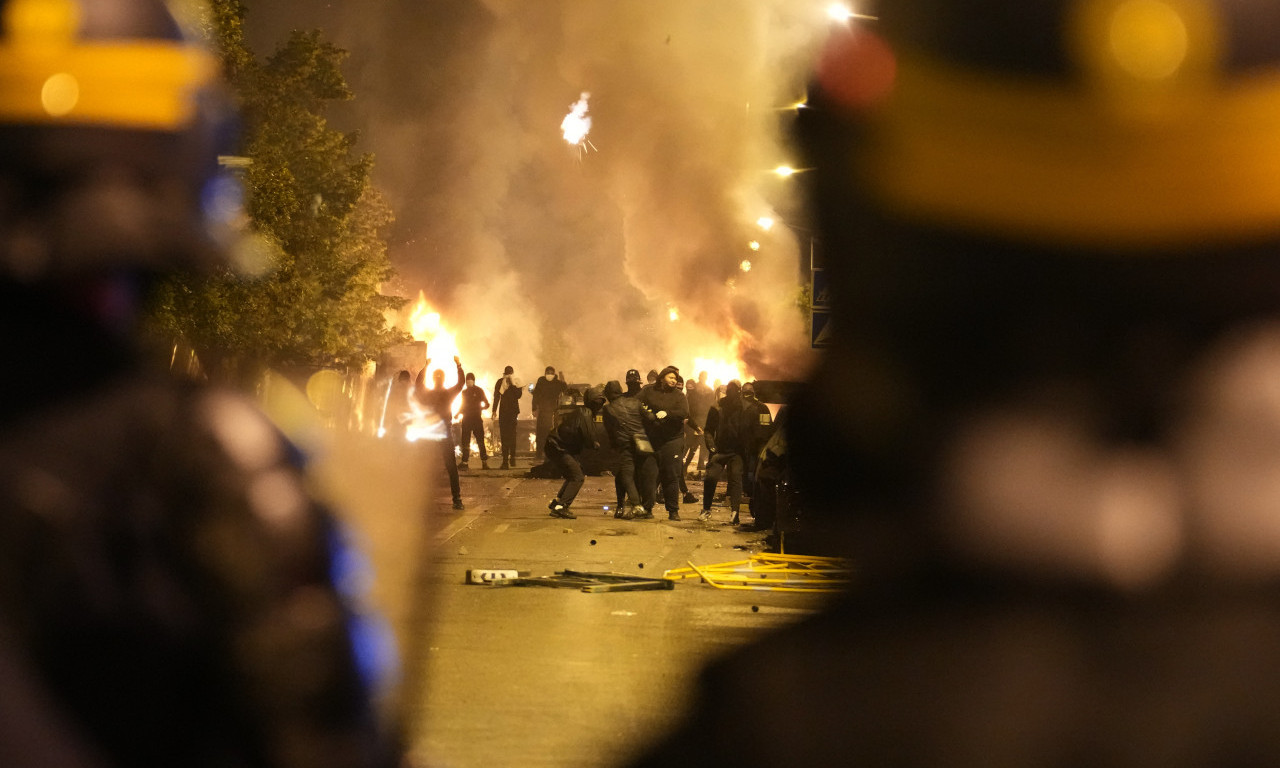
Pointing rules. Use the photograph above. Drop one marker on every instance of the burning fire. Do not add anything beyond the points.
(425, 325)
(576, 125)
(719, 371)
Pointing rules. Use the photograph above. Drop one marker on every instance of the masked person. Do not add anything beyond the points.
(624, 423)
(666, 409)
(574, 434)
(1047, 433)
(506, 408)
(170, 591)
(633, 383)
(473, 403)
(546, 403)
(438, 400)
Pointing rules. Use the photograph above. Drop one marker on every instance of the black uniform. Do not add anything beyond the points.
(637, 467)
(728, 430)
(574, 434)
(666, 433)
(473, 402)
(439, 401)
(171, 594)
(506, 406)
(1046, 430)
(546, 403)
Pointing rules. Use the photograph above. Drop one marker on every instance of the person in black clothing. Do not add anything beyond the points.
(506, 407)
(546, 403)
(473, 402)
(701, 398)
(772, 491)
(637, 466)
(757, 434)
(171, 588)
(1047, 433)
(686, 495)
(574, 434)
(438, 400)
(727, 426)
(633, 382)
(666, 409)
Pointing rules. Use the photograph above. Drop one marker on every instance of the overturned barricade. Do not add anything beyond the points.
(586, 581)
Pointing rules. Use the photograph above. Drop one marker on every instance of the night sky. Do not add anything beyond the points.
(537, 252)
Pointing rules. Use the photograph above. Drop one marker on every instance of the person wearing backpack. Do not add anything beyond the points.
(574, 434)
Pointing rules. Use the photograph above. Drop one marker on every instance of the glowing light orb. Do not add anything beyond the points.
(745, 266)
(839, 12)
(1148, 39)
(754, 245)
(784, 171)
(673, 314)
(576, 125)
(60, 94)
(765, 223)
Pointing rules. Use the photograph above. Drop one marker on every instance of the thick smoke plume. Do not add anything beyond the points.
(540, 253)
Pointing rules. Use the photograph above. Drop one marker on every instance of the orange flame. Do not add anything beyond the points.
(425, 325)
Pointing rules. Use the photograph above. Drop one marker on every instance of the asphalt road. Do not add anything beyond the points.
(539, 676)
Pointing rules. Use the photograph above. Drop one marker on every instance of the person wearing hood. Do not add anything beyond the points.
(759, 432)
(637, 469)
(634, 383)
(574, 434)
(506, 407)
(546, 402)
(727, 435)
(665, 409)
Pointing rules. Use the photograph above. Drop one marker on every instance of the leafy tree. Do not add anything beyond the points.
(309, 199)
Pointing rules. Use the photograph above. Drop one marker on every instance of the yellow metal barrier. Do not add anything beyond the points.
(772, 572)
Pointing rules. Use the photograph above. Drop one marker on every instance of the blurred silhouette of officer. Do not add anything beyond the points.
(1047, 432)
(170, 594)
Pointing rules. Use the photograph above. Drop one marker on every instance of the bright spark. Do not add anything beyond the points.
(745, 266)
(673, 314)
(754, 245)
(842, 13)
(765, 223)
(576, 125)
(784, 171)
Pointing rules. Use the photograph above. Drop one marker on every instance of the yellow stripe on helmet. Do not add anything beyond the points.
(1158, 150)
(134, 84)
